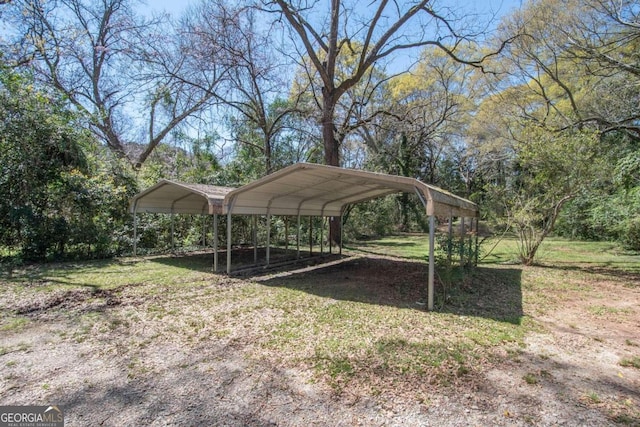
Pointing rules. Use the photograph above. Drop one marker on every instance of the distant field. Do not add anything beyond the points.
(505, 250)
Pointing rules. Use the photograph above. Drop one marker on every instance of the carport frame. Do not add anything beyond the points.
(305, 189)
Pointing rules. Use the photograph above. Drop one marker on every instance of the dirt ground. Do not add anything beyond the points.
(107, 360)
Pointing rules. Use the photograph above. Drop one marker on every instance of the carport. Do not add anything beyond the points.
(303, 189)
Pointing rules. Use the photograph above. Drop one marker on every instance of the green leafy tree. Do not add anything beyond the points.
(59, 194)
(38, 147)
(371, 36)
(252, 86)
(610, 209)
(579, 61)
(549, 170)
(573, 71)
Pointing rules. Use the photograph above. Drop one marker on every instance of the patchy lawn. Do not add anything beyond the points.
(161, 340)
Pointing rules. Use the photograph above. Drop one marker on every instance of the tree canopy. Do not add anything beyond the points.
(535, 116)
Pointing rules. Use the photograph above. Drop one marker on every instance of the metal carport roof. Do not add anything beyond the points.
(178, 197)
(300, 189)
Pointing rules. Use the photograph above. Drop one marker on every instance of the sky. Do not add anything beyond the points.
(500, 7)
(485, 9)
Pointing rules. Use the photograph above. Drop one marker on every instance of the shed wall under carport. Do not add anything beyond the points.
(300, 190)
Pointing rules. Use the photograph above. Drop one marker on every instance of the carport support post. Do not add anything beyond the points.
(173, 244)
(470, 260)
(310, 235)
(254, 237)
(268, 236)
(286, 233)
(341, 228)
(298, 239)
(215, 243)
(330, 235)
(432, 226)
(450, 240)
(229, 242)
(321, 235)
(230, 209)
(135, 231)
(461, 241)
(477, 246)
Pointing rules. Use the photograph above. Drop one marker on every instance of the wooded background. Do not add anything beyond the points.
(535, 116)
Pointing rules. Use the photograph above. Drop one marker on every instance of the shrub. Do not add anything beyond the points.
(631, 236)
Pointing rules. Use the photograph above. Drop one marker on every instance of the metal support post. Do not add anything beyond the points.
(254, 237)
(268, 237)
(135, 231)
(215, 243)
(462, 241)
(450, 240)
(432, 226)
(298, 239)
(310, 235)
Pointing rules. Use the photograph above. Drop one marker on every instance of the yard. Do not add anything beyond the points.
(160, 340)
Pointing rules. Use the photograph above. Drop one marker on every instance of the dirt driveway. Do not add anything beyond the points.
(203, 353)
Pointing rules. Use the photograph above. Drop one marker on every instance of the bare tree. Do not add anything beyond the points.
(130, 76)
(382, 32)
(254, 82)
(362, 105)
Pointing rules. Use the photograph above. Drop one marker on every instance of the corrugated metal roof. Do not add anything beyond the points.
(303, 188)
(178, 197)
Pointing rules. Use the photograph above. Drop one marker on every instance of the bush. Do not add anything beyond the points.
(631, 236)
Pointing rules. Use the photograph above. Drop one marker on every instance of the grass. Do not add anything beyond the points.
(603, 310)
(530, 378)
(553, 251)
(348, 331)
(405, 246)
(14, 324)
(107, 274)
(354, 338)
(631, 362)
(593, 397)
(345, 338)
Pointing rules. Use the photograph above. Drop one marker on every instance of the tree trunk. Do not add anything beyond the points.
(404, 211)
(331, 154)
(528, 256)
(267, 155)
(331, 149)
